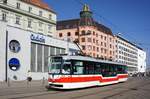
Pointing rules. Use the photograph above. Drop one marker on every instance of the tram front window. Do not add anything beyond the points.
(66, 68)
(55, 65)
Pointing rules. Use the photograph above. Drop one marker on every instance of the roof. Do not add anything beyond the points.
(74, 23)
(128, 42)
(39, 3)
(85, 58)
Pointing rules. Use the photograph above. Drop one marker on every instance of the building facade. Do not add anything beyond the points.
(24, 48)
(95, 39)
(31, 15)
(130, 54)
(141, 60)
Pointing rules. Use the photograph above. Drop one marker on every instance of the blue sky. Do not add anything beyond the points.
(129, 17)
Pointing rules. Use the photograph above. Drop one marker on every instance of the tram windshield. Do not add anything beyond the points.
(55, 65)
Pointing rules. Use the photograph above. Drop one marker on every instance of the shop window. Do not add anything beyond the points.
(33, 57)
(46, 54)
(39, 58)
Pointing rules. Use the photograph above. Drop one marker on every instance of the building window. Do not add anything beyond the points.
(29, 23)
(93, 48)
(105, 51)
(105, 44)
(110, 52)
(83, 39)
(30, 9)
(46, 55)
(83, 47)
(50, 16)
(58, 51)
(33, 57)
(68, 34)
(5, 1)
(40, 24)
(93, 40)
(40, 13)
(93, 33)
(49, 27)
(18, 5)
(105, 38)
(52, 51)
(110, 39)
(101, 36)
(110, 46)
(39, 58)
(101, 43)
(88, 32)
(98, 49)
(89, 39)
(76, 33)
(60, 35)
(101, 50)
(18, 20)
(4, 16)
(83, 32)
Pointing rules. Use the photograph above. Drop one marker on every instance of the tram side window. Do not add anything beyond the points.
(97, 69)
(121, 69)
(88, 67)
(77, 67)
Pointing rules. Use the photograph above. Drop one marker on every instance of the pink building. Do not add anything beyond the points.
(95, 39)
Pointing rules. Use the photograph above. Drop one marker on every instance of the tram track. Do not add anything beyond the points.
(53, 92)
(135, 88)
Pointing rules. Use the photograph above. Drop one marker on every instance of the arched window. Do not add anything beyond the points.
(88, 32)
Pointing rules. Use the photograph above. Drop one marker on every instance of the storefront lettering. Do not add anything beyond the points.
(38, 38)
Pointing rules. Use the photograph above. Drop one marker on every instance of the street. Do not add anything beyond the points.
(134, 88)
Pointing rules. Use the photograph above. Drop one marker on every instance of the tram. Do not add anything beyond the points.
(71, 72)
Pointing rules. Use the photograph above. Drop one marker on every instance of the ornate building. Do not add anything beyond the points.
(95, 39)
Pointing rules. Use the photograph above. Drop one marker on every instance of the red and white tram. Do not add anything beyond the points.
(70, 72)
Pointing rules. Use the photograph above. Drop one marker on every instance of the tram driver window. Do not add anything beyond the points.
(77, 67)
(66, 68)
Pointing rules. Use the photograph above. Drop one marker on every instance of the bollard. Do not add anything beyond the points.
(8, 82)
(43, 82)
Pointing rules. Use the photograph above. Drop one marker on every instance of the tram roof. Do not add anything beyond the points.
(85, 58)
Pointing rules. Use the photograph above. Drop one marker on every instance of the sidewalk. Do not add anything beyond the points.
(25, 83)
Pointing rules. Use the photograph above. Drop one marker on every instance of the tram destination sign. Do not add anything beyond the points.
(38, 38)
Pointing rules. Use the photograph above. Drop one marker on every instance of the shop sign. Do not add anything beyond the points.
(14, 64)
(14, 46)
(38, 38)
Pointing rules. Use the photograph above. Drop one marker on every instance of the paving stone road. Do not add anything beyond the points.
(134, 88)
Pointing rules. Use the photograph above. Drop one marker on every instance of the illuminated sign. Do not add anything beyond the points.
(14, 46)
(38, 38)
(14, 64)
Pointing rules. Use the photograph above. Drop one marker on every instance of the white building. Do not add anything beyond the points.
(127, 53)
(141, 60)
(26, 42)
(31, 15)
